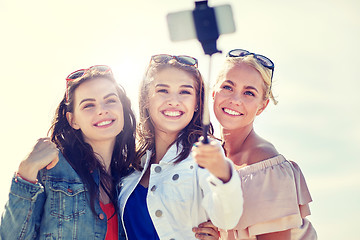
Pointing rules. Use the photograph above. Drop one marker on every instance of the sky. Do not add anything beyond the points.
(314, 45)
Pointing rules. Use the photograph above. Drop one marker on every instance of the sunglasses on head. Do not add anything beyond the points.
(81, 72)
(165, 58)
(266, 62)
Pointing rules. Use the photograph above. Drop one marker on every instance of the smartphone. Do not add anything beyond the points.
(182, 27)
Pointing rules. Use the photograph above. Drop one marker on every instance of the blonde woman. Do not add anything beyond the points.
(275, 193)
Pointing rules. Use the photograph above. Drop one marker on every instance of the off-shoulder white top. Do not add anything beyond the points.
(276, 198)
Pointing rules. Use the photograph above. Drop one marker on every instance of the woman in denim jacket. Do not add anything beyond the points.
(65, 188)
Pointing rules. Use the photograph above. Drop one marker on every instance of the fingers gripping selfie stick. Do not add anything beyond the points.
(206, 24)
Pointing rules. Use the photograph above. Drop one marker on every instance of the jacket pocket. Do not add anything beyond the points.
(68, 199)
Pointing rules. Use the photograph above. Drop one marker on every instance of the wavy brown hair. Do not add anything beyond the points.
(190, 134)
(80, 154)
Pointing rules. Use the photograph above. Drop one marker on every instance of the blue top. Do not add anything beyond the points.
(57, 207)
(138, 223)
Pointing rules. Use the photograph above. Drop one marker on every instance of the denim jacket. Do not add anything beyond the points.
(57, 207)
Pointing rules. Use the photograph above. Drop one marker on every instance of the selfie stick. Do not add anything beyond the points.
(207, 33)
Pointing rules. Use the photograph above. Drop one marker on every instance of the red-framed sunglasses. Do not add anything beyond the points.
(81, 72)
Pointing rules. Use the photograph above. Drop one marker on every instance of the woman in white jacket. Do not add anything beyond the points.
(168, 193)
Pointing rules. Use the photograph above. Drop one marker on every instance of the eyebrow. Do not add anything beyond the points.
(165, 85)
(93, 99)
(246, 87)
(86, 99)
(111, 94)
(251, 87)
(187, 86)
(230, 82)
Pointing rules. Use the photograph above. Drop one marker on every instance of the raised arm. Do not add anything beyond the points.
(221, 185)
(22, 214)
(211, 156)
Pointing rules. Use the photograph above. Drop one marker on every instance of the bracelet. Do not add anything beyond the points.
(17, 175)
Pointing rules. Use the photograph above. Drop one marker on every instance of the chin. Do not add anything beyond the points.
(228, 125)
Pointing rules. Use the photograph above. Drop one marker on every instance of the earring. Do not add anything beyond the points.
(197, 108)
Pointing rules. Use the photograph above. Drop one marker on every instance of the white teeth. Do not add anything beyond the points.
(231, 112)
(104, 123)
(172, 113)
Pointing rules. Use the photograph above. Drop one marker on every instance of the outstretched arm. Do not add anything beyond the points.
(220, 183)
(211, 156)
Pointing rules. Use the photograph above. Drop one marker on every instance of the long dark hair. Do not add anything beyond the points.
(80, 154)
(190, 134)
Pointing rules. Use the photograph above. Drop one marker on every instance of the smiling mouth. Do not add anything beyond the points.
(172, 113)
(104, 123)
(232, 112)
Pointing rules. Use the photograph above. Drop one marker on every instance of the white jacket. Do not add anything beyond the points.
(181, 196)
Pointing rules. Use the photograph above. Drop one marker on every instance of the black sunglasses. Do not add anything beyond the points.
(266, 62)
(164, 58)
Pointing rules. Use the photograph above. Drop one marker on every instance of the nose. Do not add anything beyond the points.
(236, 99)
(173, 100)
(102, 109)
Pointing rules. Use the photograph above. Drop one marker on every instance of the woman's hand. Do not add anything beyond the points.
(211, 156)
(207, 231)
(44, 154)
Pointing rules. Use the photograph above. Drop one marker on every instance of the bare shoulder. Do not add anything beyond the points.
(260, 150)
